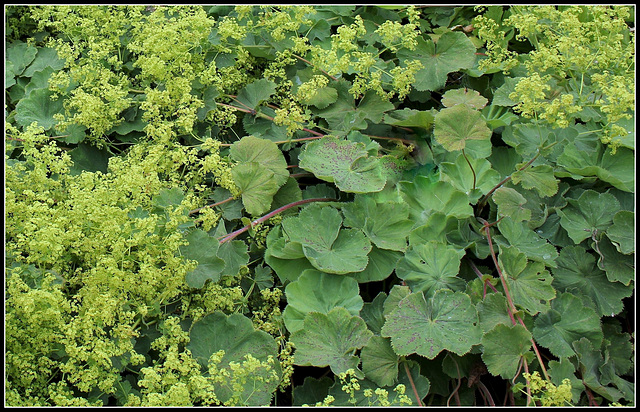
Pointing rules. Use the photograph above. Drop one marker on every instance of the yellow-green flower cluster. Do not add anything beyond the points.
(583, 55)
(547, 393)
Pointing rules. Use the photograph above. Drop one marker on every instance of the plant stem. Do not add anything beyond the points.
(233, 234)
(211, 205)
(413, 385)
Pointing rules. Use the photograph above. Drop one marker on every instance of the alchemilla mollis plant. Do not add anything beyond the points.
(319, 205)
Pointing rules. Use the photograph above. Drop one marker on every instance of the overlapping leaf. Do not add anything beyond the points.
(503, 349)
(315, 291)
(330, 340)
(428, 326)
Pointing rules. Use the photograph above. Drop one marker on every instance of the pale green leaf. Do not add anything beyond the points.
(454, 126)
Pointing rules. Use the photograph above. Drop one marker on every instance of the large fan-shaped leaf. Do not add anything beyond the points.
(315, 291)
(345, 163)
(330, 340)
(447, 321)
(455, 125)
(503, 349)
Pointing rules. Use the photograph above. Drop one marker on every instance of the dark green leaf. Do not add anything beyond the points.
(503, 349)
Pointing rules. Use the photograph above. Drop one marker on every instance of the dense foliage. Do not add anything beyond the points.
(260, 205)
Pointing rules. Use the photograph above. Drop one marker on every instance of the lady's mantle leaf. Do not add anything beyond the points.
(257, 186)
(385, 224)
(236, 336)
(265, 152)
(591, 212)
(463, 178)
(577, 271)
(345, 163)
(622, 233)
(503, 349)
(452, 52)
(466, 96)
(539, 177)
(431, 266)
(529, 283)
(255, 93)
(329, 249)
(427, 327)
(510, 203)
(315, 291)
(527, 241)
(426, 196)
(379, 361)
(568, 320)
(330, 340)
(203, 249)
(38, 107)
(455, 125)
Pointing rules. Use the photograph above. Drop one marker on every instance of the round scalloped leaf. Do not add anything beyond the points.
(203, 249)
(236, 336)
(592, 211)
(568, 320)
(257, 186)
(503, 349)
(510, 203)
(327, 247)
(255, 93)
(345, 163)
(431, 266)
(316, 291)
(379, 361)
(453, 51)
(265, 152)
(622, 233)
(330, 340)
(455, 125)
(466, 96)
(38, 107)
(447, 321)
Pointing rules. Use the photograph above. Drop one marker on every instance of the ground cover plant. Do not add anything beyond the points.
(319, 205)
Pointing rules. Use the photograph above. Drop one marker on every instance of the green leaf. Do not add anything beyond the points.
(45, 58)
(454, 126)
(257, 186)
(619, 267)
(510, 203)
(493, 310)
(453, 51)
(527, 241)
(328, 248)
(255, 93)
(577, 271)
(436, 228)
(88, 158)
(20, 55)
(235, 335)
(447, 321)
(385, 224)
(379, 361)
(616, 169)
(622, 232)
(591, 212)
(528, 282)
(411, 118)
(373, 314)
(503, 349)
(203, 249)
(330, 340)
(311, 391)
(462, 177)
(345, 163)
(590, 363)
(430, 267)
(380, 265)
(501, 95)
(539, 177)
(38, 107)
(426, 196)
(323, 97)
(315, 291)
(252, 149)
(568, 320)
(470, 97)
